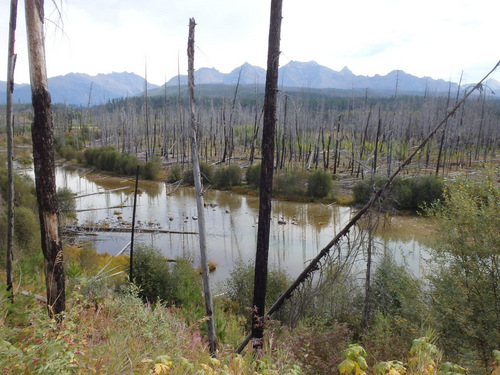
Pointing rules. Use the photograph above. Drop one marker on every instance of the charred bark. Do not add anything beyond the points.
(268, 140)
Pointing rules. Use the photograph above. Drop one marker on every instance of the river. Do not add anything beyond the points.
(298, 230)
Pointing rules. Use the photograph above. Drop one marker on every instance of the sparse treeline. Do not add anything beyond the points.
(354, 136)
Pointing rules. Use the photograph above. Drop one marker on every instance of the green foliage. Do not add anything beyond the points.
(465, 277)
(407, 193)
(354, 361)
(364, 189)
(152, 275)
(67, 152)
(159, 279)
(291, 183)
(387, 337)
(151, 169)
(24, 189)
(320, 184)
(126, 164)
(26, 231)
(67, 203)
(253, 175)
(238, 287)
(317, 345)
(207, 174)
(108, 159)
(396, 292)
(175, 174)
(227, 176)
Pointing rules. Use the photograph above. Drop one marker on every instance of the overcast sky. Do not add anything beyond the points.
(435, 38)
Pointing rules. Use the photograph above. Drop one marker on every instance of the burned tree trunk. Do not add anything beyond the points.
(199, 195)
(43, 156)
(10, 147)
(268, 135)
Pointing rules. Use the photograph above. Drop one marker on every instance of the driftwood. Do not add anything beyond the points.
(85, 228)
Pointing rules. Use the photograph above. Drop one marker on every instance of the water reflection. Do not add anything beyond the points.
(298, 231)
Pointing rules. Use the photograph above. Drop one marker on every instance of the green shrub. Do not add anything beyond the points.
(126, 164)
(67, 152)
(160, 279)
(428, 190)
(253, 175)
(291, 183)
(152, 274)
(151, 169)
(207, 174)
(402, 194)
(396, 292)
(227, 176)
(107, 158)
(363, 190)
(24, 189)
(90, 156)
(66, 202)
(26, 231)
(465, 276)
(175, 173)
(238, 287)
(317, 345)
(320, 184)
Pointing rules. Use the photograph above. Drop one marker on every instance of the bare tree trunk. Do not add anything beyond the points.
(336, 158)
(43, 156)
(314, 263)
(199, 194)
(10, 147)
(268, 135)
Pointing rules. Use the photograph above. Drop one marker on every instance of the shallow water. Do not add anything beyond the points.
(231, 223)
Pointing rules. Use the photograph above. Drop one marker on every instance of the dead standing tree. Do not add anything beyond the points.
(10, 146)
(43, 156)
(266, 180)
(314, 265)
(199, 194)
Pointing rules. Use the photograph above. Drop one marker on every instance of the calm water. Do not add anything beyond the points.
(231, 223)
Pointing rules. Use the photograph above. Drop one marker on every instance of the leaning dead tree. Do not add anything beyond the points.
(42, 131)
(11, 56)
(199, 194)
(315, 263)
(266, 180)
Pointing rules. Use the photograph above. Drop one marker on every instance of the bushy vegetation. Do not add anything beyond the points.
(67, 204)
(238, 288)
(291, 183)
(172, 282)
(465, 276)
(320, 184)
(175, 174)
(253, 175)
(207, 174)
(108, 159)
(403, 193)
(151, 168)
(226, 177)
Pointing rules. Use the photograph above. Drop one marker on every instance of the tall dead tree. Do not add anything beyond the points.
(42, 131)
(199, 194)
(11, 56)
(266, 182)
(314, 264)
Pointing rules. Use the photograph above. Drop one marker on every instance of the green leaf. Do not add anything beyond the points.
(362, 362)
(346, 366)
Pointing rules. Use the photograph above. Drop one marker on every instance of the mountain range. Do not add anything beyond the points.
(82, 89)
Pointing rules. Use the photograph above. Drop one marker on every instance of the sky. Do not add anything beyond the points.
(440, 39)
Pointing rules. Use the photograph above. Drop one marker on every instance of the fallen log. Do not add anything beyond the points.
(85, 228)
